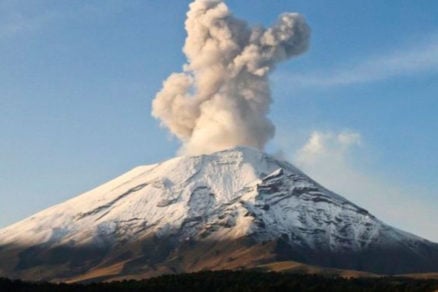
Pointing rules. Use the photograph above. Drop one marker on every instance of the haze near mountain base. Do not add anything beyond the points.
(222, 97)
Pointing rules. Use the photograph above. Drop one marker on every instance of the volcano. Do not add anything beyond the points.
(234, 209)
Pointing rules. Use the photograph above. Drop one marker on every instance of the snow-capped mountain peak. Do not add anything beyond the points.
(225, 196)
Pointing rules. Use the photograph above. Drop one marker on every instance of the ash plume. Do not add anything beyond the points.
(222, 97)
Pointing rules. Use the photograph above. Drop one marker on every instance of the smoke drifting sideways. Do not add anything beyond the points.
(221, 99)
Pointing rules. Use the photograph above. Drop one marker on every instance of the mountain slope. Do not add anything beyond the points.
(231, 209)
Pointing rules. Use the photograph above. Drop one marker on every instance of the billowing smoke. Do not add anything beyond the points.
(222, 97)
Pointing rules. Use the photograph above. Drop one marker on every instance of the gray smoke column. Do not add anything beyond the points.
(221, 98)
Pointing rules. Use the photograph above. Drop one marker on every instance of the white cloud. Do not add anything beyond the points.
(329, 158)
(418, 58)
(328, 147)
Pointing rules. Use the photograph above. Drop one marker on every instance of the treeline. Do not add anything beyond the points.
(234, 281)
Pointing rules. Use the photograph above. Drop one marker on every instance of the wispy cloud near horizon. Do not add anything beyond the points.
(416, 58)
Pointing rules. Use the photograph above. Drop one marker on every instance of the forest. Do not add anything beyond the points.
(234, 281)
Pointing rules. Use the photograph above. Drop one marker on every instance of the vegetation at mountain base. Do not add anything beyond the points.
(234, 281)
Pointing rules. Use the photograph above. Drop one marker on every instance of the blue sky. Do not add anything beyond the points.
(77, 79)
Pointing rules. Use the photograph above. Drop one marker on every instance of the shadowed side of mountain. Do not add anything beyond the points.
(388, 260)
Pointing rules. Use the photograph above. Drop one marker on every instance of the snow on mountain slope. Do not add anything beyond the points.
(224, 196)
(161, 195)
